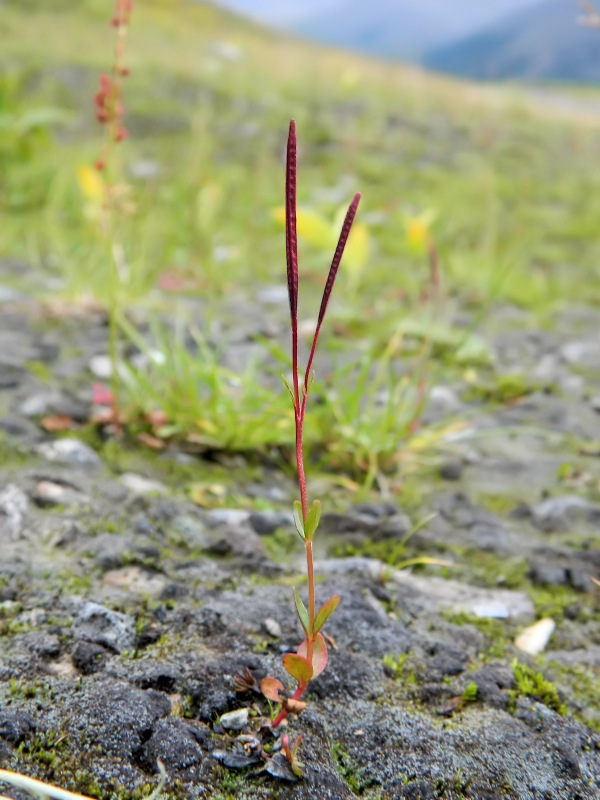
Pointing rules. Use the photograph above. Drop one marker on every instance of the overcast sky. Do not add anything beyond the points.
(279, 10)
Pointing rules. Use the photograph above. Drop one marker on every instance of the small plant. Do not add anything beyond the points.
(310, 659)
(108, 195)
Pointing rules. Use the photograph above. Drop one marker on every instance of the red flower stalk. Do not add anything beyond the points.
(311, 657)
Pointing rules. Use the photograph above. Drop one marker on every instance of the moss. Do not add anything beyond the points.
(531, 683)
(349, 770)
(398, 668)
(470, 693)
(584, 686)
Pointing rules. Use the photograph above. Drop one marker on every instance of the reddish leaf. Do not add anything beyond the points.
(326, 611)
(295, 706)
(151, 441)
(101, 396)
(271, 687)
(298, 667)
(320, 656)
(56, 423)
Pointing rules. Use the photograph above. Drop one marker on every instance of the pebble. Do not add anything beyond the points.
(69, 451)
(136, 580)
(139, 485)
(235, 720)
(534, 639)
(100, 625)
(228, 516)
(100, 366)
(49, 493)
(272, 627)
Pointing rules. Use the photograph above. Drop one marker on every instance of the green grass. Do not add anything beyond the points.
(511, 195)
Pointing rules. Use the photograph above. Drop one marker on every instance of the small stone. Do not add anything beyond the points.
(137, 484)
(69, 451)
(443, 399)
(235, 720)
(13, 512)
(135, 580)
(228, 516)
(451, 470)
(267, 522)
(88, 657)
(580, 580)
(272, 627)
(37, 404)
(233, 760)
(545, 574)
(533, 640)
(557, 513)
(279, 767)
(49, 493)
(146, 169)
(100, 625)
(273, 295)
(100, 366)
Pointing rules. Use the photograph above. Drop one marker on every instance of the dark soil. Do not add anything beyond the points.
(126, 610)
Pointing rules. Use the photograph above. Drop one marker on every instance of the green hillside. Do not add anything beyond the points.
(513, 194)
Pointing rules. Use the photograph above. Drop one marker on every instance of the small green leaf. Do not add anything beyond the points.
(326, 611)
(312, 520)
(298, 519)
(301, 611)
(320, 655)
(298, 667)
(289, 388)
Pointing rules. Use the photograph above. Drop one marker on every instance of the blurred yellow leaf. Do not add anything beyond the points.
(418, 231)
(357, 249)
(91, 184)
(315, 229)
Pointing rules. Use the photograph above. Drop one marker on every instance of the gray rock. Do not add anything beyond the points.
(546, 574)
(559, 513)
(13, 512)
(100, 625)
(267, 522)
(69, 451)
(435, 595)
(582, 353)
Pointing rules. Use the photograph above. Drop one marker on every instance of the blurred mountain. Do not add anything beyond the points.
(542, 42)
(404, 28)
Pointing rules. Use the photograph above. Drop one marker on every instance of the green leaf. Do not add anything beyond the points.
(326, 611)
(320, 655)
(301, 611)
(312, 520)
(289, 388)
(298, 519)
(298, 667)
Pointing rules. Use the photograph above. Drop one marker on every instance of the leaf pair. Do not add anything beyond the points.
(300, 667)
(323, 615)
(306, 528)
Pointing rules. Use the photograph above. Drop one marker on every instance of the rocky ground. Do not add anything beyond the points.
(126, 610)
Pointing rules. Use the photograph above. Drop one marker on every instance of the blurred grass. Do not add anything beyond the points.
(515, 198)
(511, 194)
